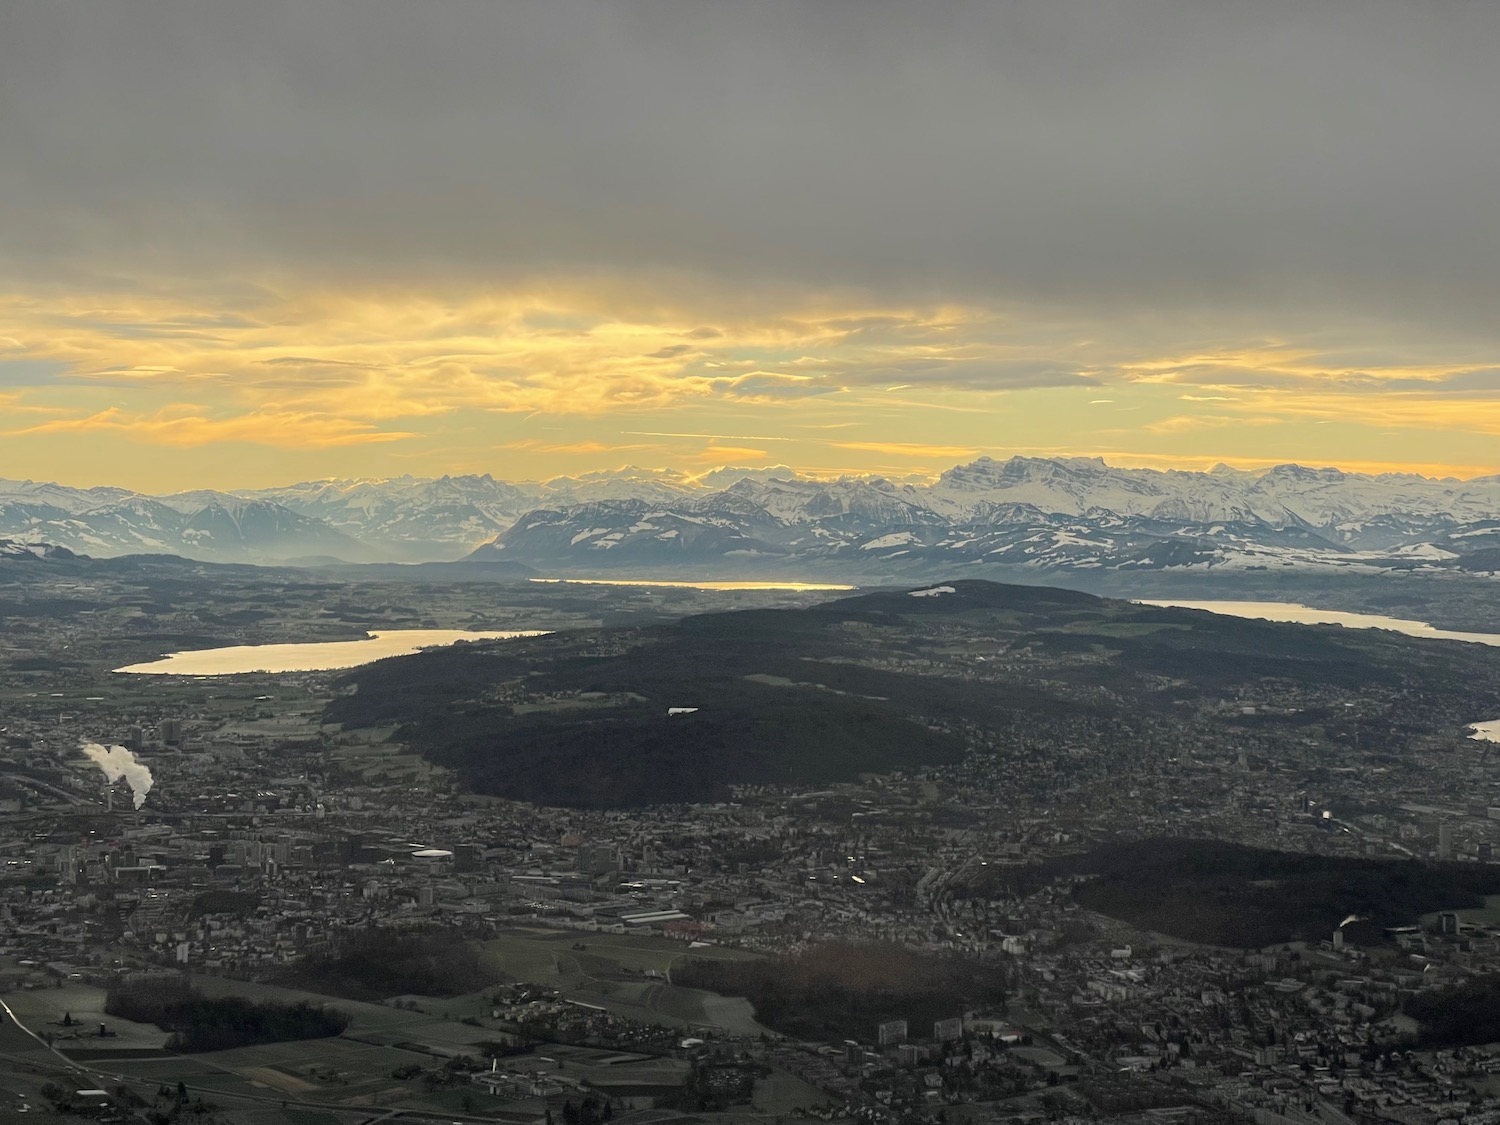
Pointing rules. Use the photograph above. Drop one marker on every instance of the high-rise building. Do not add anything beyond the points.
(596, 859)
(949, 1030)
(352, 849)
(892, 1033)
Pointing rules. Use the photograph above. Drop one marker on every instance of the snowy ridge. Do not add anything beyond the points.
(627, 534)
(1042, 512)
(1039, 513)
(1281, 495)
(10, 550)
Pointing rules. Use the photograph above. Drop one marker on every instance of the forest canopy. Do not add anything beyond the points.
(201, 1023)
(375, 965)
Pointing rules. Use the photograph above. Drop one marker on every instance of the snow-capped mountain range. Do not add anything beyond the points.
(403, 519)
(1037, 512)
(29, 552)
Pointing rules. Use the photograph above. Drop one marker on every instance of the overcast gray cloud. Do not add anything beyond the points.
(1293, 159)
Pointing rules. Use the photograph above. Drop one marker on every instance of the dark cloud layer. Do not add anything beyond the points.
(1302, 160)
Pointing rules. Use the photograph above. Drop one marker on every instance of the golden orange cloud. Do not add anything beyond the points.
(1187, 423)
(324, 370)
(381, 356)
(13, 402)
(1284, 365)
(532, 445)
(183, 427)
(729, 454)
(907, 448)
(1389, 410)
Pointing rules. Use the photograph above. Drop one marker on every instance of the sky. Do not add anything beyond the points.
(245, 244)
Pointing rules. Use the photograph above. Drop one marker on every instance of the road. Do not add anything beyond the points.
(67, 1062)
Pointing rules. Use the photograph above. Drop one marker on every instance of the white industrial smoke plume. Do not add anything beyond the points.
(118, 762)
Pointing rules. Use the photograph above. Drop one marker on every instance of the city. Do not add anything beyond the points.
(673, 562)
(264, 847)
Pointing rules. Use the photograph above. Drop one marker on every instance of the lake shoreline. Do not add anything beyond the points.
(313, 656)
(1298, 614)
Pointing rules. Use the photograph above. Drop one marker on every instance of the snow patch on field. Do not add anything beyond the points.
(895, 539)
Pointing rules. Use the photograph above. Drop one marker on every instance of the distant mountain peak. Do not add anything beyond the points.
(1020, 510)
(31, 551)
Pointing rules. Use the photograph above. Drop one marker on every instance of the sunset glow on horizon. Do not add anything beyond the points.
(548, 241)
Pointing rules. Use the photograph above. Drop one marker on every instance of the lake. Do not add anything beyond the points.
(321, 656)
(692, 585)
(1307, 615)
(1486, 732)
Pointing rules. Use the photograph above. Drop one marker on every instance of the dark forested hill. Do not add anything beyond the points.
(890, 680)
(1226, 894)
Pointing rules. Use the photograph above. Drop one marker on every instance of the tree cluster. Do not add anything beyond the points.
(1462, 1016)
(1226, 894)
(376, 964)
(201, 1023)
